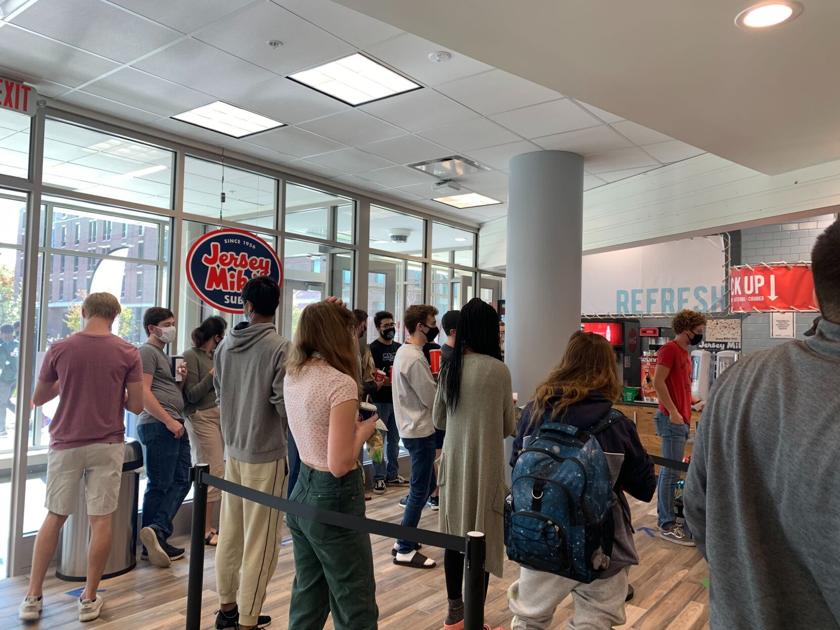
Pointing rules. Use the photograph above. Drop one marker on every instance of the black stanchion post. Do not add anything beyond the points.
(474, 582)
(196, 578)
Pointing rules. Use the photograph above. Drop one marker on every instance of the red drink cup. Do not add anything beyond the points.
(434, 355)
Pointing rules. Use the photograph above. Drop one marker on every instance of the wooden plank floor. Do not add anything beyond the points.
(670, 586)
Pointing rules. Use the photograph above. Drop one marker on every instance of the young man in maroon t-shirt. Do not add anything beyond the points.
(672, 381)
(97, 375)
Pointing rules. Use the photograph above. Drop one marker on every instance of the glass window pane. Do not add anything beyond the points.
(393, 286)
(311, 273)
(463, 288)
(452, 245)
(14, 143)
(312, 212)
(249, 198)
(396, 232)
(493, 291)
(12, 218)
(96, 163)
(441, 289)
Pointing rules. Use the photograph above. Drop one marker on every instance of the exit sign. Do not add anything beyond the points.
(17, 97)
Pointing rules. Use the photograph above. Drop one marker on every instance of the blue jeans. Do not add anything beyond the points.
(673, 437)
(423, 482)
(391, 470)
(294, 463)
(167, 475)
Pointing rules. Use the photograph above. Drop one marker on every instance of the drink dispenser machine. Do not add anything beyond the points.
(701, 374)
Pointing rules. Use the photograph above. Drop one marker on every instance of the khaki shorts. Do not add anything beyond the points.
(100, 465)
(207, 444)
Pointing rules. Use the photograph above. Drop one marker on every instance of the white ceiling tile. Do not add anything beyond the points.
(592, 181)
(350, 161)
(410, 55)
(482, 215)
(638, 134)
(398, 176)
(419, 110)
(497, 91)
(286, 101)
(138, 91)
(119, 110)
(620, 159)
(499, 157)
(472, 134)
(304, 44)
(672, 151)
(32, 57)
(606, 116)
(352, 127)
(50, 89)
(356, 28)
(183, 15)
(407, 149)
(614, 176)
(292, 141)
(420, 191)
(586, 141)
(96, 27)
(204, 68)
(358, 182)
(144, 91)
(546, 118)
(269, 155)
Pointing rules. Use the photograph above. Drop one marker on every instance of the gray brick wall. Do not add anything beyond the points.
(786, 242)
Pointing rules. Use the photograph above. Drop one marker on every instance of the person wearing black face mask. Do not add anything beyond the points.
(672, 381)
(384, 350)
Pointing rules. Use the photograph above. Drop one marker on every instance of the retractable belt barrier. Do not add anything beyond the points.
(472, 546)
(669, 463)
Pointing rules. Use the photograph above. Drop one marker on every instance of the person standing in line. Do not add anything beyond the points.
(762, 487)
(160, 428)
(581, 392)
(367, 371)
(250, 364)
(672, 381)
(97, 375)
(384, 351)
(9, 355)
(474, 405)
(414, 397)
(450, 325)
(333, 566)
(202, 411)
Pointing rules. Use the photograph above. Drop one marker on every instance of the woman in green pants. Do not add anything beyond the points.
(333, 565)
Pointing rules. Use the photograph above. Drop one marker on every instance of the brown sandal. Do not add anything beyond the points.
(212, 539)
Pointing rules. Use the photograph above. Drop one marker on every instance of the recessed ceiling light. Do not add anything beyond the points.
(355, 80)
(467, 200)
(227, 119)
(767, 14)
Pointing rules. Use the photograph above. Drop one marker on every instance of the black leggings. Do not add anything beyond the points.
(453, 567)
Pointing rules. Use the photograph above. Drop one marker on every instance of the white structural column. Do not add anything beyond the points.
(545, 224)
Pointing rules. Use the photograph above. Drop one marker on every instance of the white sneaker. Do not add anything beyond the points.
(89, 610)
(31, 608)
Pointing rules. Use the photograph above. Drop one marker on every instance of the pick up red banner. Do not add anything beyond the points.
(766, 288)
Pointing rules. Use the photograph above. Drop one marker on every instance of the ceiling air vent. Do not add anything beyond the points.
(449, 167)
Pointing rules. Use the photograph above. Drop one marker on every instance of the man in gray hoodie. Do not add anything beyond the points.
(250, 364)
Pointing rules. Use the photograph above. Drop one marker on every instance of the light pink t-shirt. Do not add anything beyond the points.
(92, 372)
(310, 395)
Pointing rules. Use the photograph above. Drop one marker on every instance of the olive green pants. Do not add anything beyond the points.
(333, 565)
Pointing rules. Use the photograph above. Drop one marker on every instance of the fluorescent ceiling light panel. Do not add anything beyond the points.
(355, 80)
(467, 200)
(227, 119)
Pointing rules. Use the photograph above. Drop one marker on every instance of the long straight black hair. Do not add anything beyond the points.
(478, 331)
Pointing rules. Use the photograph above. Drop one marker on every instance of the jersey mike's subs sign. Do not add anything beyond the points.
(17, 97)
(220, 263)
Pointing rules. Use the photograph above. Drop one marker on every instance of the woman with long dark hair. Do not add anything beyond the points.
(475, 407)
(203, 413)
(333, 565)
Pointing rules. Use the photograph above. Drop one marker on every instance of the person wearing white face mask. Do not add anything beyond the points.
(160, 428)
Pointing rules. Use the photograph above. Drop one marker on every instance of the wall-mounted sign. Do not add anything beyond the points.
(783, 325)
(767, 288)
(17, 97)
(220, 263)
(722, 334)
(657, 279)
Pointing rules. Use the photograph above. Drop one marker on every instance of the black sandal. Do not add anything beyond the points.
(417, 547)
(208, 539)
(418, 561)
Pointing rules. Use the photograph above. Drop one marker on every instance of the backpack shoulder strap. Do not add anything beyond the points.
(611, 418)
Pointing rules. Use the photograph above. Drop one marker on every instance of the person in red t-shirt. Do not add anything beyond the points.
(97, 375)
(672, 381)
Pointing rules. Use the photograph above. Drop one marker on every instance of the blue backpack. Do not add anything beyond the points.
(558, 516)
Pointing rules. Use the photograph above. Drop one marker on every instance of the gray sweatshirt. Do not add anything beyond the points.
(250, 366)
(414, 390)
(763, 489)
